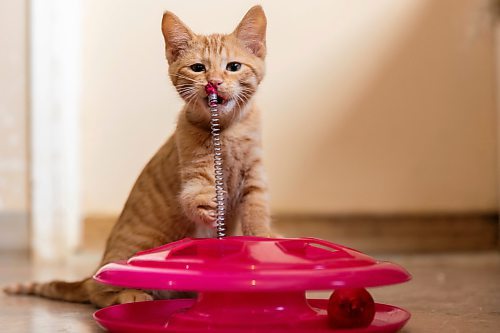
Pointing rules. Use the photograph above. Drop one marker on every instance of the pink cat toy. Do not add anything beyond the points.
(245, 284)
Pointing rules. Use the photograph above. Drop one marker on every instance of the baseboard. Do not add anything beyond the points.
(368, 233)
(15, 231)
(399, 233)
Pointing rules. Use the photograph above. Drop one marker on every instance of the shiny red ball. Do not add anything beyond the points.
(351, 308)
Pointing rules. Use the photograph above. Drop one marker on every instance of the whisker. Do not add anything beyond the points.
(190, 99)
(238, 100)
(187, 78)
(188, 96)
(247, 92)
(186, 89)
(186, 93)
(186, 85)
(245, 96)
(183, 76)
(247, 88)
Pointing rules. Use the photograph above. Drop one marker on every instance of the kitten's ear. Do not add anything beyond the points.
(252, 31)
(177, 35)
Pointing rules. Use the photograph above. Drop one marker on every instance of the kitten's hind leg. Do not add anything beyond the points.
(133, 295)
(172, 294)
(102, 295)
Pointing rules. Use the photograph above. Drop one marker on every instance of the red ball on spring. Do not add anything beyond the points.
(210, 89)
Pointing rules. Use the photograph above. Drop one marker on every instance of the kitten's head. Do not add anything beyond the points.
(234, 62)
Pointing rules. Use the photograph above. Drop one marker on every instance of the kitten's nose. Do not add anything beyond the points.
(215, 81)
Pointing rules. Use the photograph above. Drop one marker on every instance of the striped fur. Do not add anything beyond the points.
(173, 197)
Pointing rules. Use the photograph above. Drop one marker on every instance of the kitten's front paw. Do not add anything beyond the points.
(205, 214)
(200, 208)
(270, 235)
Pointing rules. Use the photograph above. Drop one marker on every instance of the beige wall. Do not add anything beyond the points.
(497, 90)
(370, 106)
(13, 126)
(13, 107)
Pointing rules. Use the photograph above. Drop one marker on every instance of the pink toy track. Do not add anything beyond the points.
(246, 284)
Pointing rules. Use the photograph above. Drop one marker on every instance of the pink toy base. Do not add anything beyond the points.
(154, 316)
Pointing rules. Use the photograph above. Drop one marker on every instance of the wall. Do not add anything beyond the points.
(55, 52)
(497, 63)
(13, 125)
(396, 107)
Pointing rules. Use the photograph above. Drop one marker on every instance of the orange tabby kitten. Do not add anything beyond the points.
(174, 195)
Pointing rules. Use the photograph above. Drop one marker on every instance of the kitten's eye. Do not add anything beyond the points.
(233, 66)
(198, 67)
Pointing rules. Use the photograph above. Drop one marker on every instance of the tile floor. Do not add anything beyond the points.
(449, 293)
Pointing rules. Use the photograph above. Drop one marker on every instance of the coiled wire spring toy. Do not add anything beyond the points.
(215, 128)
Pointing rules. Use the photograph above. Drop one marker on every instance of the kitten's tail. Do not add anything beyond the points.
(59, 290)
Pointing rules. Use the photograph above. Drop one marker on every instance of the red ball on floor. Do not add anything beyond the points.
(351, 308)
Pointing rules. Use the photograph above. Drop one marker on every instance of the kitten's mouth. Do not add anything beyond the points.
(220, 100)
